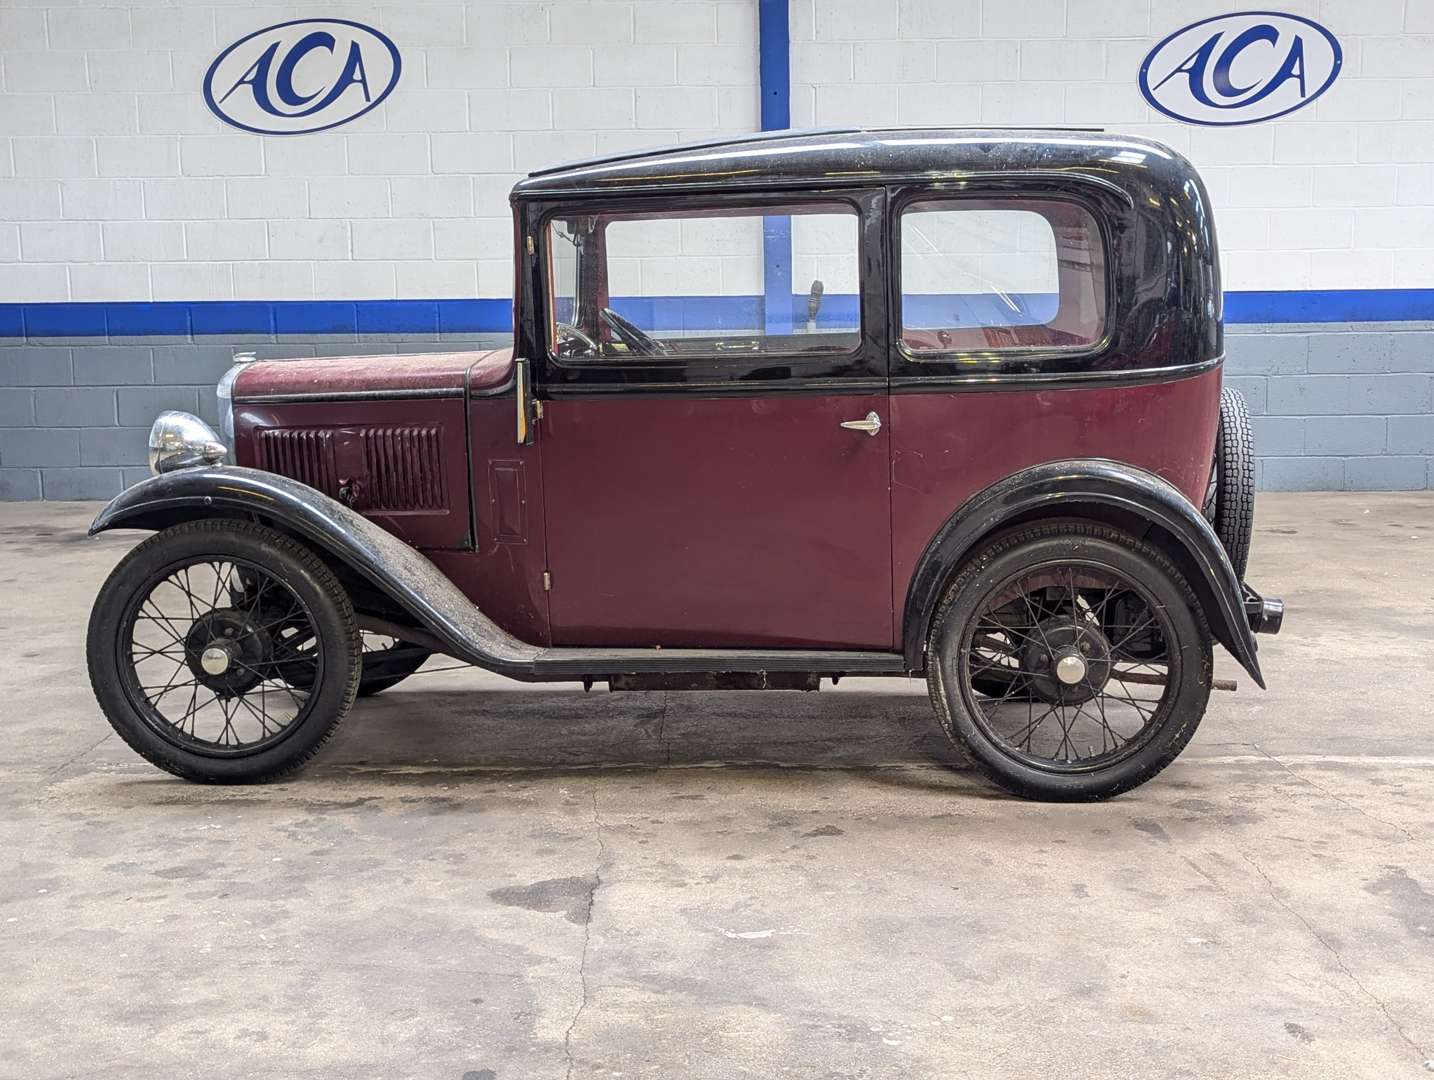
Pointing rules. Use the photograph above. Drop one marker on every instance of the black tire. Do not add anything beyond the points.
(299, 577)
(385, 668)
(1230, 499)
(1075, 549)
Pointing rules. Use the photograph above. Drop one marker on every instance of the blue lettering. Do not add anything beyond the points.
(257, 80)
(1221, 74)
(284, 81)
(1194, 66)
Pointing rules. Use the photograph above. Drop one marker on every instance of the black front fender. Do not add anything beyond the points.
(1101, 490)
(408, 577)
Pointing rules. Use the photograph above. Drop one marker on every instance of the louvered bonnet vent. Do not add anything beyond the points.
(372, 469)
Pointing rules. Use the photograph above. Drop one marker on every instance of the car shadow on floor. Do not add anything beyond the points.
(566, 729)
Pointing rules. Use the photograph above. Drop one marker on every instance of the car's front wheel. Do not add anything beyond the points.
(224, 651)
(1101, 648)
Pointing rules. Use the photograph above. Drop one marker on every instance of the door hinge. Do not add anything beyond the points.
(547, 582)
(537, 409)
(532, 249)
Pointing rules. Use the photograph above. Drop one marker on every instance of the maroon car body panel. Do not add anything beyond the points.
(331, 376)
(503, 575)
(370, 447)
(947, 447)
(719, 520)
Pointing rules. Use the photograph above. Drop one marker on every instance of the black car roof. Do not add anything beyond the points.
(839, 156)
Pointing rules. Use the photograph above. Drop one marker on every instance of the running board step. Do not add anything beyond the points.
(606, 663)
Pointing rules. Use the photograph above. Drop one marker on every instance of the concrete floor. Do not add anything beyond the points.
(483, 881)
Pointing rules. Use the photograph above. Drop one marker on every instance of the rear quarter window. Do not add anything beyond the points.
(1007, 274)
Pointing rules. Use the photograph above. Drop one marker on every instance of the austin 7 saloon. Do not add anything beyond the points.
(919, 403)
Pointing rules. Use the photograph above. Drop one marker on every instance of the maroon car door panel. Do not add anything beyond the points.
(718, 520)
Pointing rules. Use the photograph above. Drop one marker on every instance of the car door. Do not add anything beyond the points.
(715, 453)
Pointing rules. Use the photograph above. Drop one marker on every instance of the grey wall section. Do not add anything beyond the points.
(75, 414)
(1336, 407)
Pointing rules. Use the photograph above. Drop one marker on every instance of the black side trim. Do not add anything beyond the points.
(1050, 380)
(412, 582)
(1091, 487)
(824, 386)
(351, 395)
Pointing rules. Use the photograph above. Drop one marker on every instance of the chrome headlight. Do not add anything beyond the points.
(224, 392)
(181, 441)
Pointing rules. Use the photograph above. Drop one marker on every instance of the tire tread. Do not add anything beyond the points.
(1234, 519)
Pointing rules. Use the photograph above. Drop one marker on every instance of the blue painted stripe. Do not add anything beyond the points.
(1330, 305)
(197, 318)
(494, 316)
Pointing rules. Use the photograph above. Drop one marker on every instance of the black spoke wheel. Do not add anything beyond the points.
(223, 651)
(1070, 661)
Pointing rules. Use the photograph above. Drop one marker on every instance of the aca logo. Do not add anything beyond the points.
(306, 75)
(1240, 69)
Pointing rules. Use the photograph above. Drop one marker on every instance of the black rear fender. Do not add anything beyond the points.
(1131, 499)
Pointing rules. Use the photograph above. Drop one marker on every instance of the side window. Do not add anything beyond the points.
(716, 282)
(978, 275)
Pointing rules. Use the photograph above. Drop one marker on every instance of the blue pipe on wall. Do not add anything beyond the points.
(774, 88)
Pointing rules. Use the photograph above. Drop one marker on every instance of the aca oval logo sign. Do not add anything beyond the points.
(1240, 69)
(301, 76)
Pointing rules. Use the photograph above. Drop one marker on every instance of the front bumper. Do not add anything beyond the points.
(1265, 615)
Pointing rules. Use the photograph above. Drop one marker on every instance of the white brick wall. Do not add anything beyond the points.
(1337, 195)
(117, 183)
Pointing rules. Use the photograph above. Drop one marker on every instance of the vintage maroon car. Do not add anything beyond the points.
(985, 446)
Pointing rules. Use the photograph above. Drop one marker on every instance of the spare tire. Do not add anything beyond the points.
(1230, 496)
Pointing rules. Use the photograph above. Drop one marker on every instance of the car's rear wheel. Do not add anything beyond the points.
(1230, 495)
(1101, 647)
(223, 651)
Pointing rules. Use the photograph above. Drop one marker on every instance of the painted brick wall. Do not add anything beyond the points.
(1338, 195)
(1338, 407)
(117, 184)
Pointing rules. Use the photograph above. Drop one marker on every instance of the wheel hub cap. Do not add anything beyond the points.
(1066, 662)
(215, 660)
(225, 650)
(1070, 669)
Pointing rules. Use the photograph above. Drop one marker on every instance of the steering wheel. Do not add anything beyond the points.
(631, 335)
(570, 336)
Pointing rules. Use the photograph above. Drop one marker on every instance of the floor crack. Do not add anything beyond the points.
(662, 729)
(1338, 959)
(587, 935)
(83, 753)
(1331, 795)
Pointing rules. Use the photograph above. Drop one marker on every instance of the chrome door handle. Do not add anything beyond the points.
(870, 423)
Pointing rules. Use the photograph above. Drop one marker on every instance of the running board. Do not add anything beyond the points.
(604, 663)
(532, 663)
